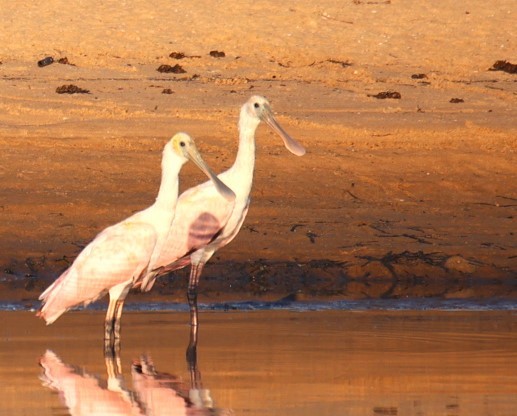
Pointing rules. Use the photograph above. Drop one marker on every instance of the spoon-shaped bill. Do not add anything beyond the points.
(292, 145)
(195, 157)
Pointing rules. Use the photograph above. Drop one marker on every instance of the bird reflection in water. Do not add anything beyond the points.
(153, 392)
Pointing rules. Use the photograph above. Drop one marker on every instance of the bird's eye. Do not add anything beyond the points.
(182, 144)
(256, 105)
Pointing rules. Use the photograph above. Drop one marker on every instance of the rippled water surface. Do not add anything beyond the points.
(265, 362)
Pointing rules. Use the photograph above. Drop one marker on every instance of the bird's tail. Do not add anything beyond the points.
(47, 317)
(49, 314)
(52, 305)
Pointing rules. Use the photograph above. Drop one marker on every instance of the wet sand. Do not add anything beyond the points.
(411, 196)
(287, 363)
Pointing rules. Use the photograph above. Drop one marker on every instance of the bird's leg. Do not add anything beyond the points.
(112, 326)
(109, 323)
(195, 273)
(112, 323)
(192, 301)
(118, 314)
(192, 347)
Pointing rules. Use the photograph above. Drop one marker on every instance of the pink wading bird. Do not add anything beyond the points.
(126, 251)
(204, 222)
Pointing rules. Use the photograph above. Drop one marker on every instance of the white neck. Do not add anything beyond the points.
(168, 192)
(164, 208)
(242, 170)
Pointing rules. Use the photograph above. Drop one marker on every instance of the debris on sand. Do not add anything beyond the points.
(176, 69)
(456, 100)
(419, 76)
(387, 94)
(45, 61)
(504, 66)
(217, 54)
(64, 61)
(71, 89)
(177, 55)
(167, 91)
(181, 55)
(343, 64)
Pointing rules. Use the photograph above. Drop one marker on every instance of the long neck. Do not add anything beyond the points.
(244, 164)
(164, 207)
(168, 192)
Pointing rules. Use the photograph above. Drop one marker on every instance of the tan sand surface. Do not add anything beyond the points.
(395, 197)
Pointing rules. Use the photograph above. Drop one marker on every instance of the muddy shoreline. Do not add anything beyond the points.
(404, 276)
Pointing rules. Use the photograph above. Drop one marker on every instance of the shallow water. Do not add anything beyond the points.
(274, 362)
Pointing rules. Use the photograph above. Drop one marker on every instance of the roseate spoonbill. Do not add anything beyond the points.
(204, 222)
(126, 251)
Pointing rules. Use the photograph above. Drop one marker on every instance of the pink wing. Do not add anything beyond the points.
(118, 254)
(199, 218)
(201, 214)
(217, 240)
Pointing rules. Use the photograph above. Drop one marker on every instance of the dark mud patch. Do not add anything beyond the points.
(64, 61)
(71, 89)
(387, 94)
(177, 55)
(391, 276)
(504, 66)
(181, 55)
(217, 54)
(176, 69)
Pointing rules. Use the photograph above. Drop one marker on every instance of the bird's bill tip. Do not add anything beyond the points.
(226, 192)
(291, 144)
